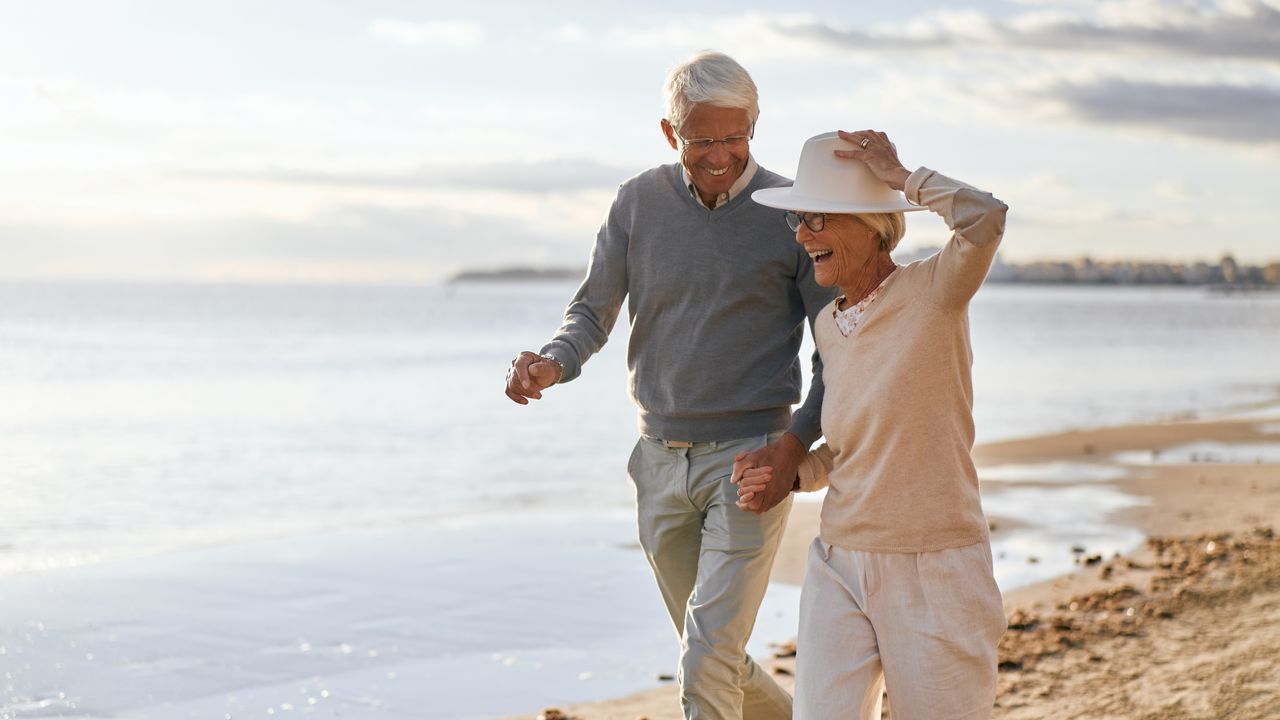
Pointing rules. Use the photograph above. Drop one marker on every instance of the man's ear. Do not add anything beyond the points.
(670, 132)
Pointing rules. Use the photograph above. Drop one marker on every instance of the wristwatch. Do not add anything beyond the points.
(559, 364)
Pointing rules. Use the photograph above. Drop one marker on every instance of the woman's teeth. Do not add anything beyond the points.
(819, 255)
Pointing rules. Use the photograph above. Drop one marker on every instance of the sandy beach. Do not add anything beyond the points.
(1185, 626)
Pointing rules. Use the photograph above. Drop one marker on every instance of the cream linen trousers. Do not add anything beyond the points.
(712, 562)
(926, 625)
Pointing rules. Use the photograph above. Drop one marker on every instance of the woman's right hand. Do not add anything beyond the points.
(753, 481)
(879, 154)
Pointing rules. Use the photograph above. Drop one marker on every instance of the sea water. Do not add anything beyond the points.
(137, 419)
(153, 421)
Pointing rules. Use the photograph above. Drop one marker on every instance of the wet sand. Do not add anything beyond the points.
(1187, 626)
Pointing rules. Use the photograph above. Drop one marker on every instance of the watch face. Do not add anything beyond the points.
(559, 365)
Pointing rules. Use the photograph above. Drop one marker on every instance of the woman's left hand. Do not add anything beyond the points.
(874, 149)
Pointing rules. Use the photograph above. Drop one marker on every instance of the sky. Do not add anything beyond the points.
(384, 141)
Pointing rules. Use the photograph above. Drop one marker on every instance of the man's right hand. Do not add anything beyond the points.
(529, 375)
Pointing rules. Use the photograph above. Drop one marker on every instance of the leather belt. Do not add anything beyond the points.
(669, 444)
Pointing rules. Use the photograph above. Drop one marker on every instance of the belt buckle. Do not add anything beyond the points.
(674, 444)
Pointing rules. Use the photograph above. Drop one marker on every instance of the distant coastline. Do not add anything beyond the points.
(517, 273)
(1226, 275)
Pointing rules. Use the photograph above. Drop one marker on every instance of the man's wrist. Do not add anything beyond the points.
(792, 444)
(559, 365)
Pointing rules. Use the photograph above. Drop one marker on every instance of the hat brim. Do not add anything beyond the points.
(784, 198)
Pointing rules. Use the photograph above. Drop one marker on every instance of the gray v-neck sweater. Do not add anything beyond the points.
(717, 301)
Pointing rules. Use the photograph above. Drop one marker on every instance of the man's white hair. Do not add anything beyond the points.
(710, 77)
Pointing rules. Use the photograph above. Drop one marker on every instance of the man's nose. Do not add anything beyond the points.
(719, 154)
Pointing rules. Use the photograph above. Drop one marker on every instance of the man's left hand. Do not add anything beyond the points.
(784, 456)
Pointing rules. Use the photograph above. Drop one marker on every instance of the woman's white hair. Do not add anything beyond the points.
(888, 227)
(709, 77)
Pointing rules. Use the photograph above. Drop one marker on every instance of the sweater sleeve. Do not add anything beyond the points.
(806, 424)
(976, 219)
(591, 314)
(815, 468)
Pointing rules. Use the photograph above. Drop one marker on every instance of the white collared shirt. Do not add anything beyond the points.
(847, 319)
(747, 173)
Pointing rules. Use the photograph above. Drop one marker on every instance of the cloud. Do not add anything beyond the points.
(1248, 29)
(1178, 191)
(554, 175)
(447, 33)
(1232, 113)
(571, 33)
(752, 34)
(1196, 70)
(1238, 29)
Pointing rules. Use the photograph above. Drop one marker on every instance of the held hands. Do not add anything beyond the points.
(529, 375)
(874, 149)
(765, 477)
(752, 484)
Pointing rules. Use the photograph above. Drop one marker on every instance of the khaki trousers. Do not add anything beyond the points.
(712, 562)
(925, 625)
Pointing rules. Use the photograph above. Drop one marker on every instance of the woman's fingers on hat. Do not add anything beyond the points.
(888, 143)
(854, 138)
(866, 142)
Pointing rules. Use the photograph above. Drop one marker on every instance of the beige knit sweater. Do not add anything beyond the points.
(898, 409)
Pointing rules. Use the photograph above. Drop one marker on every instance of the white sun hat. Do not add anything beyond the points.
(829, 184)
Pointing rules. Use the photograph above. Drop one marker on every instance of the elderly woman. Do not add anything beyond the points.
(899, 589)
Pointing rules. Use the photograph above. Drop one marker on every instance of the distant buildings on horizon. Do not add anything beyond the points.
(1226, 273)
(1087, 271)
(518, 273)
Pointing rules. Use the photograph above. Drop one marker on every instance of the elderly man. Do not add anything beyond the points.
(719, 295)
